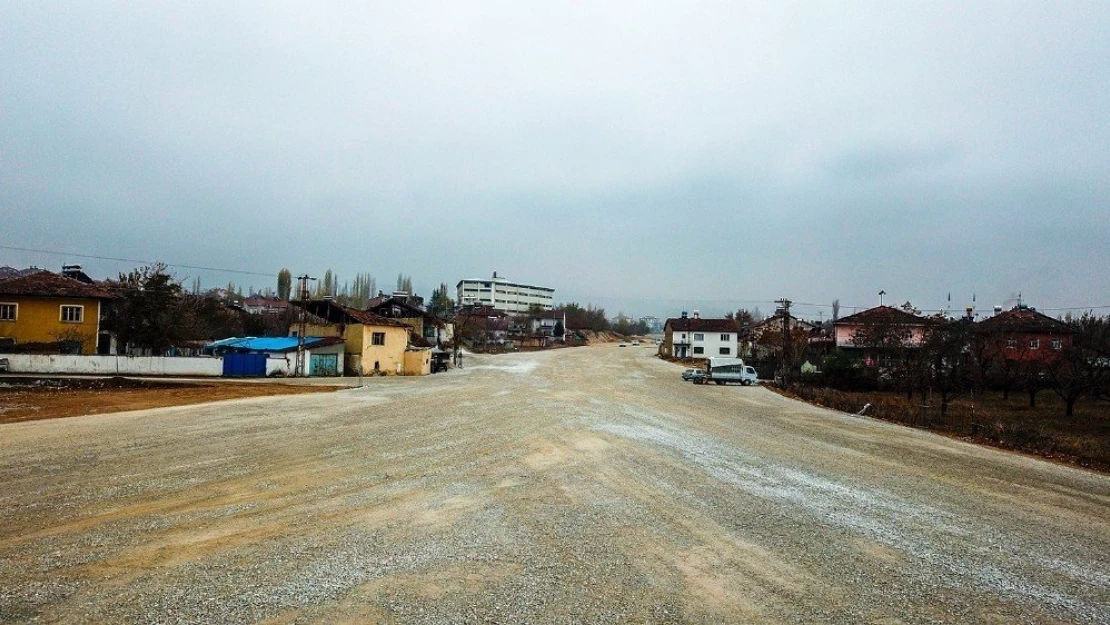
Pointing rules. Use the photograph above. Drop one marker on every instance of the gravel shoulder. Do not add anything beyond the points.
(577, 485)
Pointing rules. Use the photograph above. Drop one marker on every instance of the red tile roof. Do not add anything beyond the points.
(48, 284)
(882, 314)
(1022, 319)
(333, 312)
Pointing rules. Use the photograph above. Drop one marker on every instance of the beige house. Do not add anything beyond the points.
(374, 344)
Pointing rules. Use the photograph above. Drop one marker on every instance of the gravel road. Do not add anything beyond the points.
(586, 485)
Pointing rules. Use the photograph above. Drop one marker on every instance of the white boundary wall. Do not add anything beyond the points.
(115, 365)
(282, 364)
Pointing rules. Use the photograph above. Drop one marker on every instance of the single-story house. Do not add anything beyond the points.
(374, 344)
(277, 355)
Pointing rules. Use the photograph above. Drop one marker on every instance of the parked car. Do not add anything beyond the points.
(624, 345)
(693, 374)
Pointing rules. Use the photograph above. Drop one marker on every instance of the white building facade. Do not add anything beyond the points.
(686, 337)
(501, 294)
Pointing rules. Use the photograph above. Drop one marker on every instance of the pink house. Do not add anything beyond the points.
(880, 318)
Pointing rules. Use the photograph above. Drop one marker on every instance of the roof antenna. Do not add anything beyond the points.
(881, 294)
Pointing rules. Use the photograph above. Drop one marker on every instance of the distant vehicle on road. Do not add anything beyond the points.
(623, 345)
(693, 374)
(635, 343)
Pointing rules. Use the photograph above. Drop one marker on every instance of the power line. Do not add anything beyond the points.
(133, 260)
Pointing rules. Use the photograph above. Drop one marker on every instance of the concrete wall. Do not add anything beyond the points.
(283, 364)
(114, 365)
(418, 362)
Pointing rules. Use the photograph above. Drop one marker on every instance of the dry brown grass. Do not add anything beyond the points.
(990, 419)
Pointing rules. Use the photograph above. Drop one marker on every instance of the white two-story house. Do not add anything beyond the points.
(694, 337)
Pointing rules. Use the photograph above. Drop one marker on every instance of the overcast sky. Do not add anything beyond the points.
(642, 156)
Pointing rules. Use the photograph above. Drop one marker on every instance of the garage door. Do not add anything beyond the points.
(324, 364)
(244, 365)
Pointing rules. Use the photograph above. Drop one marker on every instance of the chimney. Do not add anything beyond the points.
(969, 310)
(74, 272)
(998, 310)
(697, 315)
(684, 314)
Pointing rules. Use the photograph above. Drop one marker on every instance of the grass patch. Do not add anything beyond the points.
(990, 419)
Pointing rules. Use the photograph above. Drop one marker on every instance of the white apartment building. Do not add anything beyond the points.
(500, 294)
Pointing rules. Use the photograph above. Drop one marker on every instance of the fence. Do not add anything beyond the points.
(114, 365)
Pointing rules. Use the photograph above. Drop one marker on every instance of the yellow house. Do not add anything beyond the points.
(51, 311)
(373, 343)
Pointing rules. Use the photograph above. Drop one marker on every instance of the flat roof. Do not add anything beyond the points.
(504, 283)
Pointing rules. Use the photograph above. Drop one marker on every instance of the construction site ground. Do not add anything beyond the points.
(586, 485)
(28, 398)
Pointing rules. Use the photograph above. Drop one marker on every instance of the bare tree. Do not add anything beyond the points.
(1082, 368)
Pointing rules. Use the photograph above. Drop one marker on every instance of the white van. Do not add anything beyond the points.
(726, 370)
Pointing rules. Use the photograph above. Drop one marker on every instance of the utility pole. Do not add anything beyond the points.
(302, 323)
(786, 355)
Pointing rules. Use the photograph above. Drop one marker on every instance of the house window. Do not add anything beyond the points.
(1011, 343)
(1034, 343)
(1057, 344)
(73, 314)
(378, 338)
(725, 351)
(699, 350)
(726, 337)
(8, 312)
(699, 336)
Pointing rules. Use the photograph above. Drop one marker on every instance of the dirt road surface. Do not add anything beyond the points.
(29, 399)
(585, 485)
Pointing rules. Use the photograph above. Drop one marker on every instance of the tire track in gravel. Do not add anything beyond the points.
(581, 485)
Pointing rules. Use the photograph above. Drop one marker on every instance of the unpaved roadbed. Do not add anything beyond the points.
(579, 485)
(29, 399)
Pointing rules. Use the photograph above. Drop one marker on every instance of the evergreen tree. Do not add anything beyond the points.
(441, 301)
(404, 283)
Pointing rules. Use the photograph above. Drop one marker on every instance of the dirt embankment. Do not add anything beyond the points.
(592, 336)
(29, 399)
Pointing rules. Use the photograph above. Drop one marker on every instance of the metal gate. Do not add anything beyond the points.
(324, 365)
(244, 365)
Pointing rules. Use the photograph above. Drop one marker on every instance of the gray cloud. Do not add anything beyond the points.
(633, 155)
